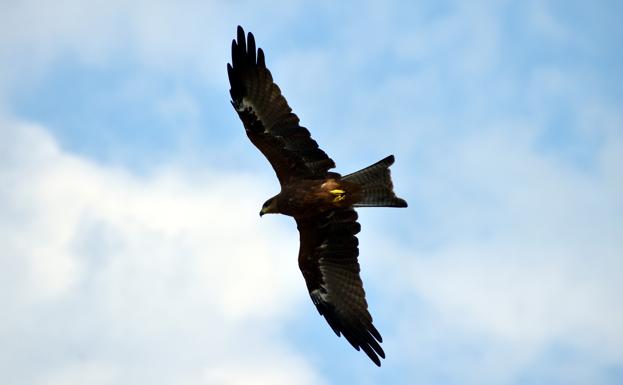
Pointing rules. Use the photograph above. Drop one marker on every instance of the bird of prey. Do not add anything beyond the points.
(322, 202)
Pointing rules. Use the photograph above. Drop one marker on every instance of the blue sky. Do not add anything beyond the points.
(132, 250)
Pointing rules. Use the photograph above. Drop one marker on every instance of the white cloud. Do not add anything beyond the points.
(80, 373)
(192, 37)
(104, 272)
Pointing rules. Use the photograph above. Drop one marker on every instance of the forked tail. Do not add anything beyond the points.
(376, 185)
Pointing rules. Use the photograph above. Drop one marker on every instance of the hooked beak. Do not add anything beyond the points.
(262, 212)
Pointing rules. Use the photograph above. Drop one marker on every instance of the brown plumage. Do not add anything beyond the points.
(321, 202)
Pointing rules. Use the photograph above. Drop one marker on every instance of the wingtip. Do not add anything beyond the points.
(377, 362)
(374, 356)
(243, 47)
(251, 49)
(240, 37)
(375, 333)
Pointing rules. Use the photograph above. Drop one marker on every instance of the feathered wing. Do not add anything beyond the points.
(267, 118)
(328, 259)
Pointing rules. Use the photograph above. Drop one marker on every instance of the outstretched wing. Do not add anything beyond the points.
(328, 259)
(267, 118)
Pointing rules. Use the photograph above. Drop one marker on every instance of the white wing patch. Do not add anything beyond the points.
(323, 245)
(319, 293)
(246, 105)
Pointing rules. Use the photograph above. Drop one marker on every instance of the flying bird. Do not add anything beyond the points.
(321, 201)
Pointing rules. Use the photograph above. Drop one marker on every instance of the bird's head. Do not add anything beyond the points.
(270, 207)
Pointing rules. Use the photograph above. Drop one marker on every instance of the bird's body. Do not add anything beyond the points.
(321, 201)
(310, 197)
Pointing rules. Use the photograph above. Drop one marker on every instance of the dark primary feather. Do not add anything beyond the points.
(267, 118)
(328, 259)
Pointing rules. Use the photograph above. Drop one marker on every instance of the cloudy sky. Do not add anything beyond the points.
(131, 249)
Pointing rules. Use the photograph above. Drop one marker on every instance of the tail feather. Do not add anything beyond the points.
(376, 185)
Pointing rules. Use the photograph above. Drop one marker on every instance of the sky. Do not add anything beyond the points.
(131, 248)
